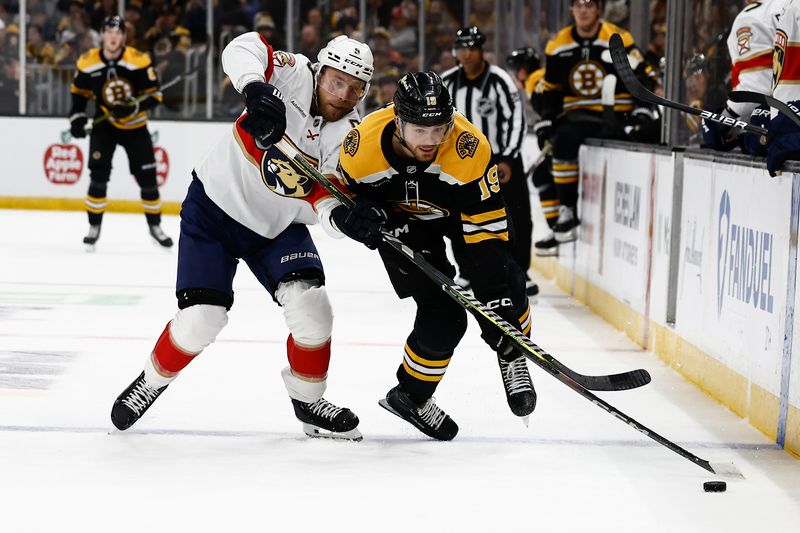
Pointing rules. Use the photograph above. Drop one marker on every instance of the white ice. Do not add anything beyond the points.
(222, 451)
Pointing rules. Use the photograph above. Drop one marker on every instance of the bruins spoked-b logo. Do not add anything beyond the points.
(586, 78)
(466, 144)
(284, 177)
(116, 91)
(350, 144)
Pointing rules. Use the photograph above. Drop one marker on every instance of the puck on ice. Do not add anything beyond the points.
(715, 486)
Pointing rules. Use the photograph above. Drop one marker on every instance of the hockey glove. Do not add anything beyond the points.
(544, 131)
(77, 125)
(362, 222)
(125, 109)
(783, 142)
(754, 143)
(718, 136)
(266, 113)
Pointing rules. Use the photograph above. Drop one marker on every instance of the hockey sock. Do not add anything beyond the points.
(308, 362)
(96, 202)
(169, 358)
(421, 370)
(565, 176)
(151, 203)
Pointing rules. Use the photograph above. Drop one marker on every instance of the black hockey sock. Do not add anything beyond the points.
(151, 203)
(421, 371)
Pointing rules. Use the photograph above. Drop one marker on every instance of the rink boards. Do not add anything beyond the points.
(43, 172)
(693, 255)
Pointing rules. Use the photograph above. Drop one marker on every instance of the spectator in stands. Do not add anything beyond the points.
(483, 16)
(168, 64)
(101, 10)
(37, 49)
(441, 42)
(194, 20)
(265, 25)
(655, 48)
(310, 41)
(9, 85)
(314, 18)
(403, 34)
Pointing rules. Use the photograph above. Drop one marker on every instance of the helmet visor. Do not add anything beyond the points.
(419, 135)
(343, 86)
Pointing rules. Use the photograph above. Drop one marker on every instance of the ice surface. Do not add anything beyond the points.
(221, 450)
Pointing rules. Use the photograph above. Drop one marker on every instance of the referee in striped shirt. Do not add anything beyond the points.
(487, 95)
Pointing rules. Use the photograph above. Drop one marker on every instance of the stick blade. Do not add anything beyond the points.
(614, 382)
(728, 470)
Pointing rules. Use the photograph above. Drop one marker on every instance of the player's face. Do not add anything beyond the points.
(586, 13)
(338, 93)
(113, 39)
(424, 141)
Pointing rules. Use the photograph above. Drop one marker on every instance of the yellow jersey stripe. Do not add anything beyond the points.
(484, 217)
(484, 236)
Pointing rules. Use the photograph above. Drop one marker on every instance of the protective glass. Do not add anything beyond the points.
(351, 91)
(419, 135)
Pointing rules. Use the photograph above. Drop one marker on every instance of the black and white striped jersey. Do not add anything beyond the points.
(492, 103)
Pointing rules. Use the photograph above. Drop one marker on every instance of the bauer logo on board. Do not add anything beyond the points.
(63, 164)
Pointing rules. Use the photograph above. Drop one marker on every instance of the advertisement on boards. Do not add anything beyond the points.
(733, 267)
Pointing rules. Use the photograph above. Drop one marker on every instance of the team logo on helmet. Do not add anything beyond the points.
(586, 78)
(778, 56)
(283, 177)
(350, 144)
(466, 145)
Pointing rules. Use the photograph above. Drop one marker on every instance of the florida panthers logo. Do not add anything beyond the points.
(283, 177)
(778, 56)
(586, 78)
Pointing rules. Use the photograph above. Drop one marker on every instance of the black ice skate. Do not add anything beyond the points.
(546, 247)
(566, 228)
(323, 419)
(520, 393)
(158, 234)
(531, 288)
(91, 238)
(133, 402)
(428, 417)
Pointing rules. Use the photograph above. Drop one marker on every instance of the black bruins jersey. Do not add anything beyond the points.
(459, 191)
(576, 67)
(110, 82)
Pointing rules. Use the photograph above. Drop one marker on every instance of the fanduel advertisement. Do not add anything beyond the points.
(744, 261)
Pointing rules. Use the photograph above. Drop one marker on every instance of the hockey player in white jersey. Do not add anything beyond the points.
(750, 44)
(247, 201)
(783, 141)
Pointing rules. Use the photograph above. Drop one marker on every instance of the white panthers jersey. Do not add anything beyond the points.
(786, 66)
(750, 44)
(257, 187)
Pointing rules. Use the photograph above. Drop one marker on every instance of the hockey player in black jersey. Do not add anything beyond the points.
(116, 77)
(576, 67)
(429, 170)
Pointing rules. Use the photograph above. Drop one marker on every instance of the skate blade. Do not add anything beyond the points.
(90, 248)
(319, 433)
(526, 420)
(567, 236)
(547, 253)
(383, 403)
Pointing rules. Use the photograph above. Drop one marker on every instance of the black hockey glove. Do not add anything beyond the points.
(125, 109)
(266, 113)
(77, 125)
(362, 222)
(544, 132)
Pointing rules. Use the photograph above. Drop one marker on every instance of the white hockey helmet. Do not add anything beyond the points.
(349, 56)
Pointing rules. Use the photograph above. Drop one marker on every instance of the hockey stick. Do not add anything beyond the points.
(66, 135)
(619, 57)
(571, 379)
(614, 382)
(790, 110)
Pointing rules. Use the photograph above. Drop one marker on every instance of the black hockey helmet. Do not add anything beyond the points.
(114, 21)
(469, 37)
(526, 58)
(421, 98)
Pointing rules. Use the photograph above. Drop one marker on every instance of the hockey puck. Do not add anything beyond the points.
(715, 486)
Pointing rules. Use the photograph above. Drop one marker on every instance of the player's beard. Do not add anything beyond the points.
(331, 113)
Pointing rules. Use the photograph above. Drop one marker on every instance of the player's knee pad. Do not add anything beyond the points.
(195, 327)
(302, 390)
(307, 310)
